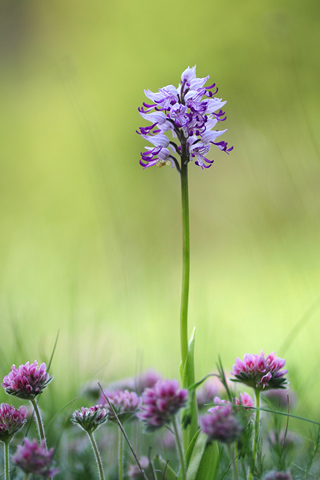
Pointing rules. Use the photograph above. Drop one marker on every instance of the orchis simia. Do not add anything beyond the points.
(183, 122)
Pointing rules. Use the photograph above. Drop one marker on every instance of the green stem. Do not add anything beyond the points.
(6, 461)
(256, 434)
(187, 368)
(180, 451)
(97, 455)
(185, 263)
(120, 454)
(39, 421)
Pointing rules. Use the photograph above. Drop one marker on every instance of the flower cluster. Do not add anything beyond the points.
(259, 372)
(189, 112)
(161, 403)
(11, 421)
(124, 403)
(27, 381)
(244, 400)
(34, 458)
(210, 388)
(222, 424)
(89, 419)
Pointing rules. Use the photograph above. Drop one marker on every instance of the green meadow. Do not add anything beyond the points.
(90, 244)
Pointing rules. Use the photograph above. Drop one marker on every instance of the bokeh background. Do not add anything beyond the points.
(90, 242)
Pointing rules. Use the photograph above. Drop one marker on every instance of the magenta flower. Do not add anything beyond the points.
(11, 421)
(27, 381)
(34, 458)
(89, 419)
(189, 112)
(221, 423)
(259, 372)
(161, 403)
(244, 400)
(125, 404)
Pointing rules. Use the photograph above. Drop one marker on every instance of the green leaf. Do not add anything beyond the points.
(191, 447)
(187, 370)
(190, 414)
(160, 465)
(203, 462)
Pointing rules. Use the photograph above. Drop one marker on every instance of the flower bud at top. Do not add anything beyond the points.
(89, 419)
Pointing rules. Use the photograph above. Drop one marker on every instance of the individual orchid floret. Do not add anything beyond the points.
(89, 419)
(124, 403)
(161, 403)
(259, 372)
(27, 381)
(35, 459)
(189, 113)
(11, 421)
(221, 423)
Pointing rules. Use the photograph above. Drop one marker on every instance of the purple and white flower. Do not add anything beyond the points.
(11, 421)
(34, 458)
(161, 403)
(27, 381)
(259, 372)
(124, 403)
(89, 419)
(189, 112)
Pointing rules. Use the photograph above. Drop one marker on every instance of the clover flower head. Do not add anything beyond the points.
(135, 472)
(189, 112)
(276, 475)
(259, 372)
(209, 389)
(124, 402)
(34, 458)
(11, 421)
(27, 381)
(89, 419)
(161, 403)
(222, 424)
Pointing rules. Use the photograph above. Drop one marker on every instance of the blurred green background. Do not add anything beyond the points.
(90, 243)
